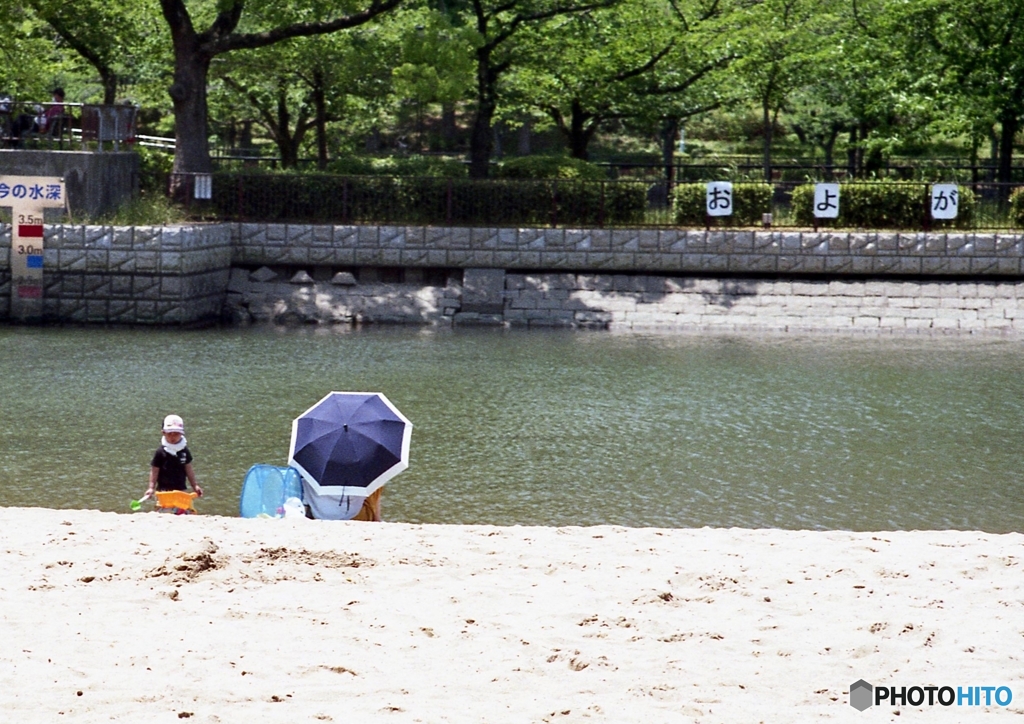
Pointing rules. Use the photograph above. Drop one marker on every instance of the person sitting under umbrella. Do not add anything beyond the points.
(346, 447)
(341, 507)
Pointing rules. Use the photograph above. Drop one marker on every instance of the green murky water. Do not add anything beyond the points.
(548, 428)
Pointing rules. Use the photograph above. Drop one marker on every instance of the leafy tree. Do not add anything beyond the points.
(27, 55)
(785, 41)
(975, 48)
(437, 64)
(498, 22)
(633, 59)
(110, 37)
(195, 49)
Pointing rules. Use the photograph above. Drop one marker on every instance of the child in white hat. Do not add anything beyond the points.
(172, 461)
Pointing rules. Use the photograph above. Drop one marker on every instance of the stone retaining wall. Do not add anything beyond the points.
(668, 251)
(651, 302)
(667, 278)
(130, 275)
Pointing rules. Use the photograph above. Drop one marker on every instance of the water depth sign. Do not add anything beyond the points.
(28, 196)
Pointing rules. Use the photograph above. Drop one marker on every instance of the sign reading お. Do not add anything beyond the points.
(28, 196)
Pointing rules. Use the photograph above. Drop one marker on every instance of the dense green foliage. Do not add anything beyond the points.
(535, 167)
(428, 166)
(847, 83)
(394, 199)
(1017, 208)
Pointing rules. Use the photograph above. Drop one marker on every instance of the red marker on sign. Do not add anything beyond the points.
(30, 231)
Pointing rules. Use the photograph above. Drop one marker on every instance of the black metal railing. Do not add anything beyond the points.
(318, 198)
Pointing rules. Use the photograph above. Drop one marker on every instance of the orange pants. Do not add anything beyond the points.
(371, 507)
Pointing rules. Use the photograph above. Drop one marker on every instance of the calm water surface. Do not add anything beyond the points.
(549, 428)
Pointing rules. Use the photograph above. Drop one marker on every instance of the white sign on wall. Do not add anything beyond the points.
(826, 201)
(945, 201)
(28, 196)
(719, 198)
(203, 186)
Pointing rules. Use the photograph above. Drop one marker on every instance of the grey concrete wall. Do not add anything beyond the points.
(639, 302)
(333, 274)
(96, 182)
(128, 275)
(665, 251)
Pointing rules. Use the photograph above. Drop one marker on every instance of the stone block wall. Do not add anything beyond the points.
(128, 275)
(650, 278)
(266, 297)
(682, 303)
(665, 251)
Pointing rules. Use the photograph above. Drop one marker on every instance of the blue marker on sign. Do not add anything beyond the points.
(34, 261)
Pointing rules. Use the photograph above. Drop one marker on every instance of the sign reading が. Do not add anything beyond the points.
(28, 196)
(945, 201)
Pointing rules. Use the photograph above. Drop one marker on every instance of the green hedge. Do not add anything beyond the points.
(1017, 207)
(431, 166)
(155, 165)
(550, 167)
(882, 206)
(386, 199)
(750, 201)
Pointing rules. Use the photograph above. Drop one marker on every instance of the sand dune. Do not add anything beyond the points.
(148, 617)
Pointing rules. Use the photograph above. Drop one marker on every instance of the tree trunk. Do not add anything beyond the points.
(993, 145)
(320, 106)
(851, 153)
(286, 145)
(448, 127)
(523, 137)
(498, 150)
(579, 132)
(829, 148)
(481, 139)
(1009, 124)
(188, 93)
(669, 137)
(109, 79)
(768, 128)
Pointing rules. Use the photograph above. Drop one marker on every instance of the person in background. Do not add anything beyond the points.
(6, 106)
(43, 121)
(172, 461)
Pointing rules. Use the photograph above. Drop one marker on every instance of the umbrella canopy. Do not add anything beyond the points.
(350, 443)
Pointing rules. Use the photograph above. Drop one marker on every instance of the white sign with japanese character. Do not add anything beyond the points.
(826, 201)
(719, 198)
(28, 196)
(945, 201)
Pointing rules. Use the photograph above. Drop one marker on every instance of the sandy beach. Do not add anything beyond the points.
(148, 617)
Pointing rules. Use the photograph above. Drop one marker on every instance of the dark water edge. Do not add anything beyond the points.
(543, 427)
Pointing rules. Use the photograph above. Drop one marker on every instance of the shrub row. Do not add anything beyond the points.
(524, 167)
(875, 206)
(749, 202)
(416, 200)
(883, 206)
(1017, 207)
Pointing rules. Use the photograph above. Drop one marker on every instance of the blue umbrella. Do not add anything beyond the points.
(350, 443)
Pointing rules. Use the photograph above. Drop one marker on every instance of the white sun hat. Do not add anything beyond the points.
(173, 423)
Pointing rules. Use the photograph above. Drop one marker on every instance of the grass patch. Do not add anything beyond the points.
(147, 210)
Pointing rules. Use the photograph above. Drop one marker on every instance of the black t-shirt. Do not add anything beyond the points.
(172, 468)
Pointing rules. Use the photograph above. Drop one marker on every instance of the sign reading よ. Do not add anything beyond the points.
(28, 196)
